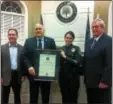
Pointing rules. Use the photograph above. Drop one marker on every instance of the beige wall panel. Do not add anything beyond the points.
(34, 8)
(101, 8)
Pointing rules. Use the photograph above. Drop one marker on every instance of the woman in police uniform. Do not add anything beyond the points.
(69, 70)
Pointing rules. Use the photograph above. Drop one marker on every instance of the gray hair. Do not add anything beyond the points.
(102, 23)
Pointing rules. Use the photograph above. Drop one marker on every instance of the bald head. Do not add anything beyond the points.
(39, 30)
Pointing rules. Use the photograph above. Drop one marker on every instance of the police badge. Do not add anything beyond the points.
(73, 50)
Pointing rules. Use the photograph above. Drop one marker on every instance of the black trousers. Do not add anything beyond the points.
(34, 91)
(16, 89)
(98, 96)
(69, 90)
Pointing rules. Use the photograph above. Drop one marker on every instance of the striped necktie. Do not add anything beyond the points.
(93, 43)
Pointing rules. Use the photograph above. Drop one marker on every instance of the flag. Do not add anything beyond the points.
(88, 34)
(41, 20)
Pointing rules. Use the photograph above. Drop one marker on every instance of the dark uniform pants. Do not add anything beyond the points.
(69, 90)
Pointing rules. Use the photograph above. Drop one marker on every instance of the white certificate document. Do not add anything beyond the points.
(47, 65)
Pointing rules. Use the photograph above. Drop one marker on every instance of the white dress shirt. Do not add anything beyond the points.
(13, 56)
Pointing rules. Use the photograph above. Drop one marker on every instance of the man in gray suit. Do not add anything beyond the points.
(11, 70)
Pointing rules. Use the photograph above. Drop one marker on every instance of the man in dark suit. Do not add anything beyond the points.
(39, 41)
(98, 65)
(11, 69)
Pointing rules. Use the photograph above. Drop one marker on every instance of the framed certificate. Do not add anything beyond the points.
(47, 64)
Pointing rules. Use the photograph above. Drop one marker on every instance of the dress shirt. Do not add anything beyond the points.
(13, 56)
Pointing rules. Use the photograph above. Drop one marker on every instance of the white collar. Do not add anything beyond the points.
(11, 44)
(97, 38)
(42, 38)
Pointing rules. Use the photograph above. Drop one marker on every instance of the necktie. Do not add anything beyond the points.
(93, 44)
(40, 44)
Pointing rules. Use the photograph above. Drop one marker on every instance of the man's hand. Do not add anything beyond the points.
(23, 78)
(102, 85)
(1, 81)
(31, 71)
(63, 54)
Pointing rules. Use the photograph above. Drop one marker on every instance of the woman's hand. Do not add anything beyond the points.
(63, 54)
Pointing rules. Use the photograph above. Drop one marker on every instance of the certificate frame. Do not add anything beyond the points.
(41, 54)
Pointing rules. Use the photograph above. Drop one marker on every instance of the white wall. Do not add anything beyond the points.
(110, 20)
(56, 29)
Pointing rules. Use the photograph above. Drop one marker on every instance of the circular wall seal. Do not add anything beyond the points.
(66, 12)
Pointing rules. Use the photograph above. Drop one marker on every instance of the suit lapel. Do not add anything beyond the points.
(97, 46)
(98, 42)
(34, 43)
(18, 54)
(7, 50)
(45, 43)
(88, 50)
(8, 54)
(89, 44)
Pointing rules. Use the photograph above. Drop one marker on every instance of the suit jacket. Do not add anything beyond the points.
(98, 62)
(30, 51)
(69, 67)
(6, 64)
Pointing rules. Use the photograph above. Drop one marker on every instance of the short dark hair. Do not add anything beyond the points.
(13, 30)
(71, 33)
